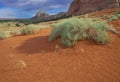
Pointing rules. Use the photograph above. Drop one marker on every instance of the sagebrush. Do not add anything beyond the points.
(75, 29)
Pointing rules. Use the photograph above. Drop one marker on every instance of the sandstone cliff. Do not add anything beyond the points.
(86, 6)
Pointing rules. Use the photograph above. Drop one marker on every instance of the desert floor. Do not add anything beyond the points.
(33, 58)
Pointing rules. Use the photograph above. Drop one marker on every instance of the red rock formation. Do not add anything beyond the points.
(86, 6)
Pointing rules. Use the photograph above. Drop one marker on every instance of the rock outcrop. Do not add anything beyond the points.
(57, 16)
(44, 16)
(40, 15)
(85, 6)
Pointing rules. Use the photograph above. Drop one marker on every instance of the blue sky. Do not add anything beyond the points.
(28, 8)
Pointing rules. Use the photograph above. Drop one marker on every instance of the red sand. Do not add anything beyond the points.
(51, 62)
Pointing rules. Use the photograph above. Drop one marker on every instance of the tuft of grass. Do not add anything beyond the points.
(30, 29)
(74, 29)
(21, 65)
(114, 17)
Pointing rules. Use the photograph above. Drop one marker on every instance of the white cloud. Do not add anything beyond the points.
(26, 8)
(28, 2)
(7, 13)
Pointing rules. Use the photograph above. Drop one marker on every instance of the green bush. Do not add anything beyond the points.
(30, 29)
(99, 36)
(74, 29)
(4, 34)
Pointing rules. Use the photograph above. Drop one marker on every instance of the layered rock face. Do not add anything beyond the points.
(86, 6)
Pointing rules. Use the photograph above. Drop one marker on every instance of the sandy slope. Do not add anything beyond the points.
(33, 58)
(86, 62)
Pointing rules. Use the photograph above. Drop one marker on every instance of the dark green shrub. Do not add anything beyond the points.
(74, 29)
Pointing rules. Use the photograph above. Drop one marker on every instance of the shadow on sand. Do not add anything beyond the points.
(38, 45)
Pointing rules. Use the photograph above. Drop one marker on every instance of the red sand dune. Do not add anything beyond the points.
(46, 61)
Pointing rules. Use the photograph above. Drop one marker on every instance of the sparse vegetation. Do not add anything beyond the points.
(4, 34)
(114, 16)
(7, 32)
(74, 29)
(33, 29)
(11, 24)
(118, 12)
(13, 30)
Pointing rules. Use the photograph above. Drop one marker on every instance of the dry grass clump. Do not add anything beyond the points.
(4, 34)
(30, 29)
(7, 32)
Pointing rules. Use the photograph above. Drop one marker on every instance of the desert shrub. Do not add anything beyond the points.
(8, 24)
(30, 29)
(114, 16)
(17, 24)
(99, 36)
(118, 12)
(118, 15)
(9, 32)
(15, 32)
(4, 34)
(74, 29)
